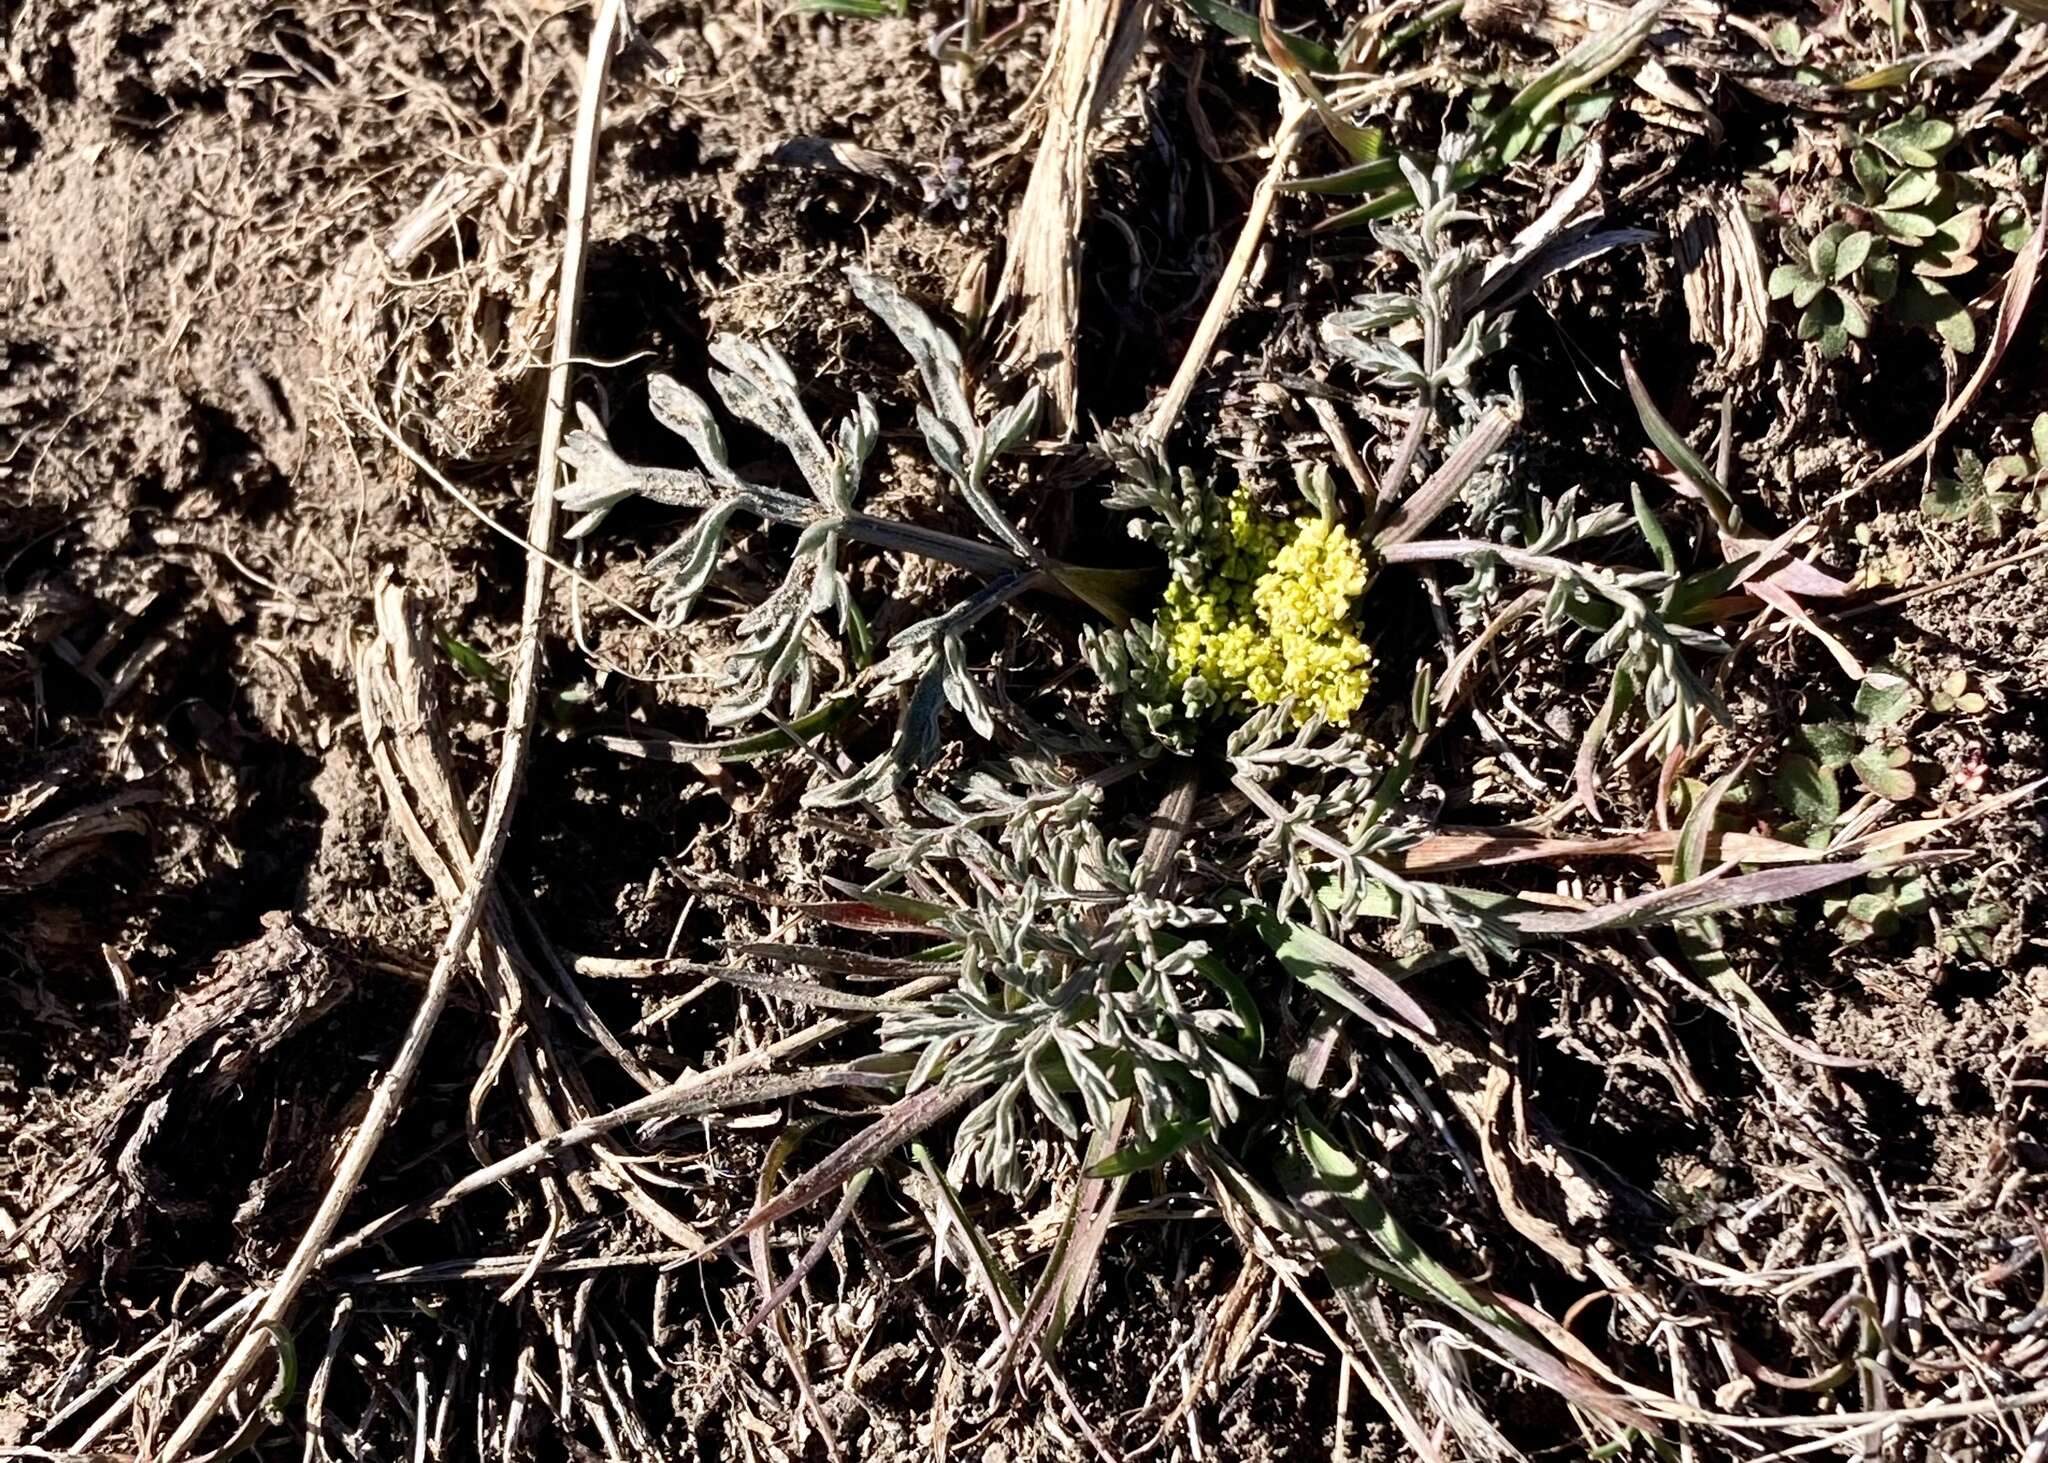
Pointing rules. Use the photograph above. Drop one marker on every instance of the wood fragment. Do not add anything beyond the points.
(1727, 299)
(1093, 45)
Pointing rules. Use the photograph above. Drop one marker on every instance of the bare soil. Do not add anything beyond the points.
(229, 236)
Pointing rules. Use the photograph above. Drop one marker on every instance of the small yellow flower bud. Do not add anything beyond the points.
(1272, 619)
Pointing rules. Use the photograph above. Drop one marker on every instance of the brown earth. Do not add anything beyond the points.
(228, 237)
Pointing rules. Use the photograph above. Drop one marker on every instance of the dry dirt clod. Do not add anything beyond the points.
(97, 1209)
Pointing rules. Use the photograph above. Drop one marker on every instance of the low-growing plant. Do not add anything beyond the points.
(1868, 743)
(1879, 910)
(1931, 218)
(2017, 479)
(1826, 288)
(1953, 694)
(1890, 243)
(1257, 611)
(1973, 494)
(1103, 1000)
(1229, 573)
(1974, 931)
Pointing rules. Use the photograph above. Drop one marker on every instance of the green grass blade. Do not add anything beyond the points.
(994, 1273)
(1664, 437)
(1596, 57)
(1333, 971)
(1137, 1157)
(1350, 182)
(1245, 27)
(1345, 1178)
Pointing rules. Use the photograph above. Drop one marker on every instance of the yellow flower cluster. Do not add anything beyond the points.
(1271, 620)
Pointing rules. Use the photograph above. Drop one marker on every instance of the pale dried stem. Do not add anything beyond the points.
(1093, 45)
(524, 697)
(1293, 124)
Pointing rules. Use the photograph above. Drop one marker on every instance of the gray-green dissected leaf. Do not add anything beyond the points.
(962, 691)
(918, 733)
(690, 417)
(734, 749)
(1038, 1082)
(759, 386)
(1371, 314)
(603, 477)
(692, 559)
(936, 356)
(1012, 424)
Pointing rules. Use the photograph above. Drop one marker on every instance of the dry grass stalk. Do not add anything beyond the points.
(524, 699)
(1093, 45)
(1293, 124)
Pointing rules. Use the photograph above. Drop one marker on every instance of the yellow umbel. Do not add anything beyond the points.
(1270, 620)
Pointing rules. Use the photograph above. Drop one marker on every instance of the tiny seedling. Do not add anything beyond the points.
(1879, 910)
(1975, 931)
(2025, 472)
(1822, 287)
(1972, 495)
(1954, 695)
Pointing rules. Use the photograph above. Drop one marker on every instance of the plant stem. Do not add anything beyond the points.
(930, 543)
(1109, 592)
(1438, 550)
